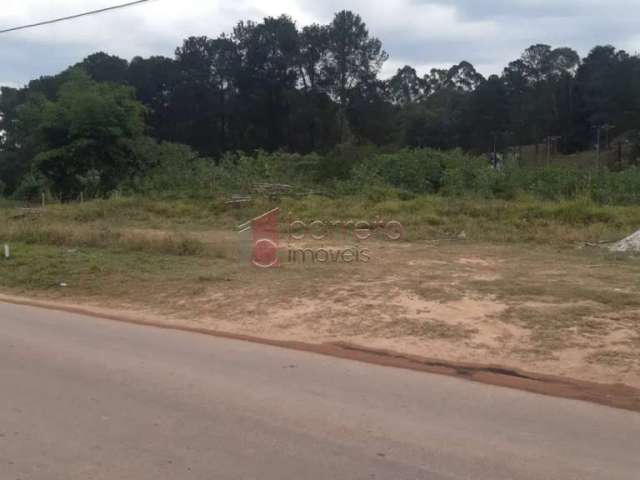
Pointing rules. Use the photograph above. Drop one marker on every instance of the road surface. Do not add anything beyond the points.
(84, 398)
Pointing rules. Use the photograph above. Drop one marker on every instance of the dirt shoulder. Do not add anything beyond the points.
(523, 316)
(618, 396)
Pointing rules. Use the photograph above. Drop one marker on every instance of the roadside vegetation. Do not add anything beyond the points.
(194, 221)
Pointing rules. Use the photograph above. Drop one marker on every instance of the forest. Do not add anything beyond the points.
(311, 93)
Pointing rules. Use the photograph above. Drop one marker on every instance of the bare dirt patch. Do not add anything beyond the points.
(555, 311)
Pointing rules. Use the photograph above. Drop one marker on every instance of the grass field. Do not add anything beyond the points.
(522, 287)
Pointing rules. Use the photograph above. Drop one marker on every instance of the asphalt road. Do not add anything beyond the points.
(83, 398)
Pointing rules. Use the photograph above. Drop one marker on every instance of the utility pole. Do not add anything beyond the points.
(599, 129)
(508, 144)
(620, 144)
(548, 151)
(494, 151)
(504, 136)
(551, 140)
(606, 127)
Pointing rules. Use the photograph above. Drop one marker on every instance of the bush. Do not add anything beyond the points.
(419, 171)
(172, 170)
(238, 172)
(339, 164)
(177, 171)
(31, 188)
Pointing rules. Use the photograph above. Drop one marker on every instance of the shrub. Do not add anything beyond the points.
(177, 171)
(31, 188)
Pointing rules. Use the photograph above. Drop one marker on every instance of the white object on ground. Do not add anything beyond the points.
(629, 244)
(7, 251)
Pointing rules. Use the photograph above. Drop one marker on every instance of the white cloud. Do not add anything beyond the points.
(632, 45)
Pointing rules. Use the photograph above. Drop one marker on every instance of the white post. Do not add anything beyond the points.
(7, 252)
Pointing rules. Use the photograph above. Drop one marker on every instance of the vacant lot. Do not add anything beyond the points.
(521, 288)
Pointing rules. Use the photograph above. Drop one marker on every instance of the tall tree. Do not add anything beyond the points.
(406, 87)
(269, 73)
(314, 47)
(354, 56)
(103, 67)
(540, 88)
(205, 86)
(154, 80)
(15, 149)
(85, 137)
(608, 84)
(463, 77)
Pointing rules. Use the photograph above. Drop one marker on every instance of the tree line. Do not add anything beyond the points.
(273, 86)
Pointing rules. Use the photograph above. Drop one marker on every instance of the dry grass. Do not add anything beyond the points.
(62, 235)
(424, 328)
(554, 327)
(615, 358)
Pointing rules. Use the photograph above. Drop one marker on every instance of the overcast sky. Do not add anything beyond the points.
(421, 33)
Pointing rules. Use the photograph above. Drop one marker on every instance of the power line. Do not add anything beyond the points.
(72, 17)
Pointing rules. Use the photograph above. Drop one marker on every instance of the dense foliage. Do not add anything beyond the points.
(274, 87)
(403, 174)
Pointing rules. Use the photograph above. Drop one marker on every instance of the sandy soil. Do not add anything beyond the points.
(536, 310)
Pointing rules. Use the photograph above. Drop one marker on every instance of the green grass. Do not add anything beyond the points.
(425, 217)
(120, 241)
(521, 220)
(109, 272)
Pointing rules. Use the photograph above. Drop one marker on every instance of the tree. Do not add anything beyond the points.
(486, 118)
(85, 138)
(371, 118)
(463, 78)
(103, 67)
(540, 87)
(608, 90)
(354, 57)
(313, 50)
(268, 76)
(17, 147)
(271, 85)
(154, 80)
(436, 80)
(441, 119)
(406, 87)
(205, 86)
